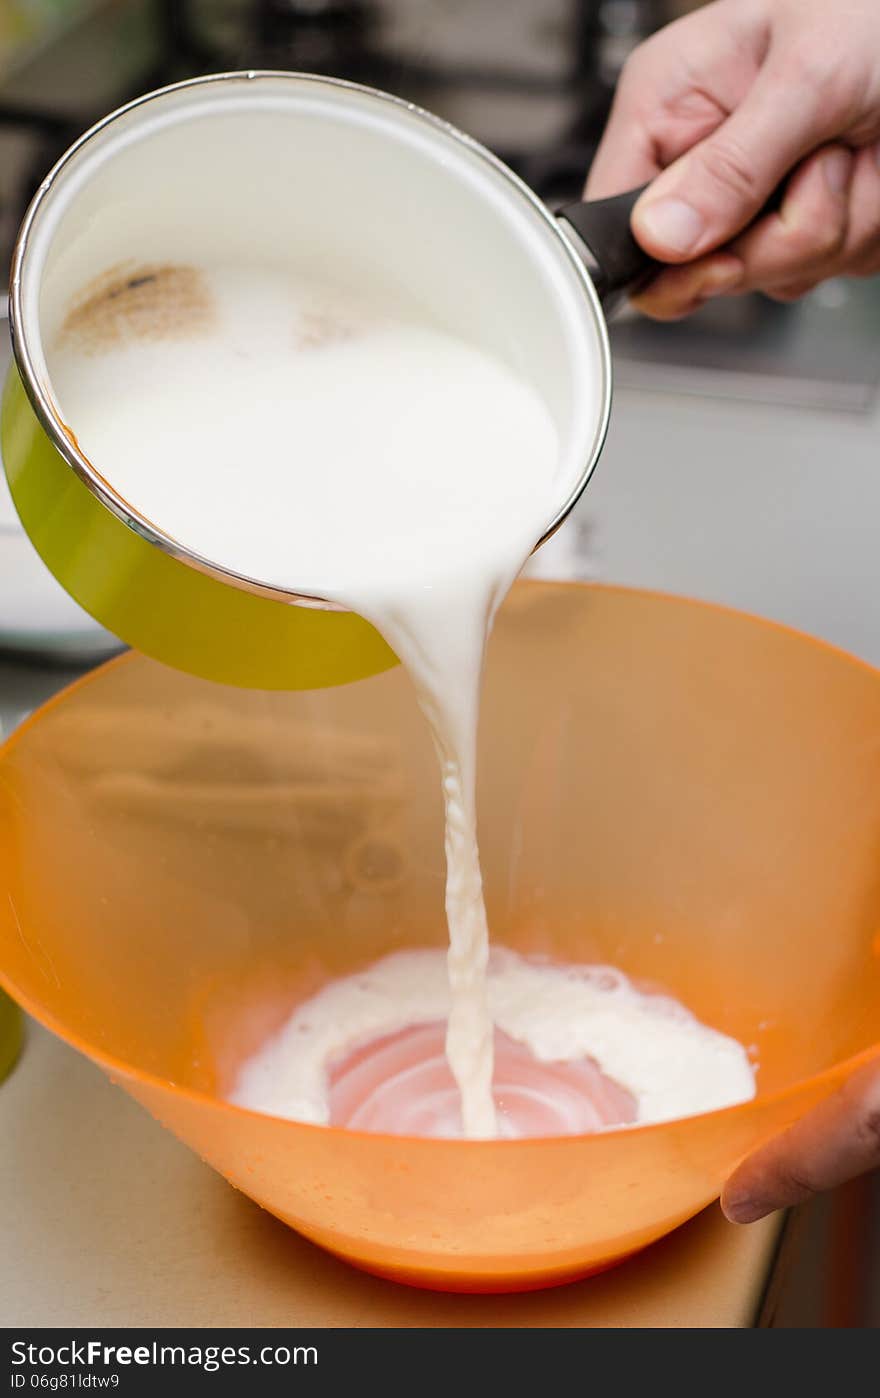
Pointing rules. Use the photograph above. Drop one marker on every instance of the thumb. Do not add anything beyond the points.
(833, 1143)
(710, 194)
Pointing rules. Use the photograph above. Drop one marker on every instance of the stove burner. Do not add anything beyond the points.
(304, 35)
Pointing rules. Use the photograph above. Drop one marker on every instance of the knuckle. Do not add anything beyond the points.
(860, 1096)
(730, 167)
(796, 1184)
(826, 240)
(869, 1132)
(822, 238)
(807, 59)
(816, 64)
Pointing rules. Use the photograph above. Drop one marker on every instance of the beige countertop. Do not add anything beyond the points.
(106, 1220)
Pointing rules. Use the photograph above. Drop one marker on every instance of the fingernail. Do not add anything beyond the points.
(745, 1210)
(838, 169)
(671, 224)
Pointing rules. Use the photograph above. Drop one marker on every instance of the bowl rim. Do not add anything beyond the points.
(118, 1070)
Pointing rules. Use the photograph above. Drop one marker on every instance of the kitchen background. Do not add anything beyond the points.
(742, 463)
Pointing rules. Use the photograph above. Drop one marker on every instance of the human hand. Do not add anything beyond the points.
(729, 103)
(832, 1144)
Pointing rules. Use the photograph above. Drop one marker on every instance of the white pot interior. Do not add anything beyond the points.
(348, 185)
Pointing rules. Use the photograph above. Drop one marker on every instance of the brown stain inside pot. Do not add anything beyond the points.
(129, 302)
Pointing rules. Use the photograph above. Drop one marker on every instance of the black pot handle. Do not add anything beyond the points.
(619, 266)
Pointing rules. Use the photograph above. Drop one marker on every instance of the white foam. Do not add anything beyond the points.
(673, 1065)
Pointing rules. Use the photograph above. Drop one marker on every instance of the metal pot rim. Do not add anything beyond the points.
(80, 464)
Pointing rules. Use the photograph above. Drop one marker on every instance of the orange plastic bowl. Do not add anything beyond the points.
(674, 789)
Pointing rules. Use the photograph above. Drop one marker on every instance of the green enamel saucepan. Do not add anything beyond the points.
(284, 166)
